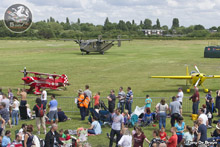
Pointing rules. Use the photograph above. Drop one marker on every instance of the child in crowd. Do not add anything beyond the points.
(148, 101)
(204, 108)
(195, 130)
(29, 113)
(126, 139)
(148, 117)
(61, 133)
(68, 137)
(126, 117)
(187, 137)
(163, 134)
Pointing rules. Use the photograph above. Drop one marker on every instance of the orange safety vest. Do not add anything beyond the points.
(83, 102)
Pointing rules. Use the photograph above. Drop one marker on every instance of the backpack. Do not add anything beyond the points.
(40, 110)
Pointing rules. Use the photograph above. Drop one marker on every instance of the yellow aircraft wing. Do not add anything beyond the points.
(172, 77)
(212, 76)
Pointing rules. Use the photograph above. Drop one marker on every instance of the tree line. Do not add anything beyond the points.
(52, 29)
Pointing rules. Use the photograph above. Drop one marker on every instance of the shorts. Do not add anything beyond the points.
(40, 121)
(53, 115)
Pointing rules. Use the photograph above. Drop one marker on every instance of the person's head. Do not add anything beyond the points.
(8, 133)
(126, 112)
(2, 105)
(126, 131)
(155, 133)
(138, 130)
(9, 90)
(180, 119)
(196, 123)
(209, 92)
(129, 88)
(80, 92)
(38, 101)
(201, 111)
(4, 96)
(173, 130)
(117, 111)
(174, 98)
(196, 89)
(147, 96)
(112, 91)
(94, 119)
(54, 127)
(162, 102)
(53, 96)
(204, 106)
(162, 129)
(43, 88)
(18, 137)
(121, 88)
(66, 132)
(86, 86)
(59, 109)
(30, 128)
(98, 93)
(147, 110)
(23, 90)
(15, 98)
(180, 89)
(24, 126)
(61, 131)
(200, 120)
(189, 129)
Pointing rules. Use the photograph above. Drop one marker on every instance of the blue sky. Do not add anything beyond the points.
(189, 12)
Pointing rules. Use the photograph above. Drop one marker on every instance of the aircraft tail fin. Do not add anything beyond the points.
(64, 78)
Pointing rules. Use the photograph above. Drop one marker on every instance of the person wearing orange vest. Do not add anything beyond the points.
(83, 103)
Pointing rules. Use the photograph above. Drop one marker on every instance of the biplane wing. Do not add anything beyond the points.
(172, 77)
(38, 73)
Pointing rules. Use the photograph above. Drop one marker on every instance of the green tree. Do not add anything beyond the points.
(158, 24)
(122, 26)
(175, 23)
(213, 28)
(147, 24)
(78, 21)
(199, 27)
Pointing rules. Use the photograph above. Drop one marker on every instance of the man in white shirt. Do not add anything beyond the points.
(44, 97)
(203, 116)
(180, 95)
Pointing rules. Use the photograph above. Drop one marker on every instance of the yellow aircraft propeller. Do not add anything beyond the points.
(196, 78)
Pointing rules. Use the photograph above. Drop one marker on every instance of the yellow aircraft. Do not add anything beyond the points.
(195, 78)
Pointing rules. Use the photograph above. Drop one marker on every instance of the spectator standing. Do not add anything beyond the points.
(52, 137)
(121, 96)
(129, 100)
(202, 133)
(6, 101)
(111, 101)
(88, 92)
(22, 131)
(208, 97)
(44, 97)
(203, 116)
(195, 100)
(217, 101)
(126, 139)
(181, 127)
(5, 113)
(162, 108)
(139, 138)
(117, 126)
(172, 141)
(15, 111)
(23, 95)
(180, 95)
(148, 101)
(2, 125)
(175, 110)
(10, 96)
(95, 127)
(6, 139)
(83, 103)
(53, 109)
(97, 97)
(40, 118)
(28, 138)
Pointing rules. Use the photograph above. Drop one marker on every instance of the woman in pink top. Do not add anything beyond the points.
(97, 97)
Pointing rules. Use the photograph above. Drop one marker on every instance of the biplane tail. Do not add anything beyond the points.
(64, 78)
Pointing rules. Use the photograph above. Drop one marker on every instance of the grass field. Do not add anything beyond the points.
(129, 65)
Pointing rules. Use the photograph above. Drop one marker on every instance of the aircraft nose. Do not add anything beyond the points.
(24, 79)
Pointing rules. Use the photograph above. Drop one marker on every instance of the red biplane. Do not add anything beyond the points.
(44, 80)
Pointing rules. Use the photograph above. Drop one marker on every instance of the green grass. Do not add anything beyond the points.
(129, 65)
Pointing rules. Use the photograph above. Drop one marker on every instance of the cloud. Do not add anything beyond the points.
(189, 12)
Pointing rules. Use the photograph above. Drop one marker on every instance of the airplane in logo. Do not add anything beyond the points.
(44, 80)
(195, 78)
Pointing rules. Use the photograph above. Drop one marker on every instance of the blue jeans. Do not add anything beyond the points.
(14, 116)
(128, 106)
(91, 131)
(195, 107)
(44, 102)
(162, 121)
(121, 106)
